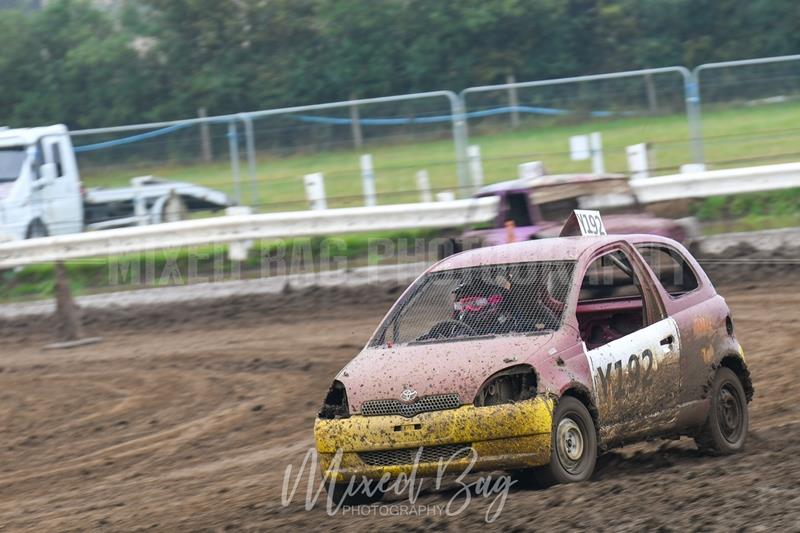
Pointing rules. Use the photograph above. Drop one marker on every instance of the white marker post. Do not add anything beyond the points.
(445, 196)
(315, 190)
(530, 170)
(638, 160)
(475, 165)
(368, 180)
(424, 186)
(579, 148)
(583, 147)
(238, 250)
(596, 145)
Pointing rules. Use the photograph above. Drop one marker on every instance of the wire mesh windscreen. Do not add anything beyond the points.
(519, 298)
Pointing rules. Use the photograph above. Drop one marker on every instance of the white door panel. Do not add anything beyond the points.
(637, 375)
(64, 209)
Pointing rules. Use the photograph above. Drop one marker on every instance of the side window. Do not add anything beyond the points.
(54, 156)
(518, 209)
(610, 276)
(670, 267)
(611, 303)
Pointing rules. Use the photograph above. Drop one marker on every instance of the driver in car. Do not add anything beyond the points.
(485, 307)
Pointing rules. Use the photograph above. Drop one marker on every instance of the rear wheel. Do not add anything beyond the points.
(725, 430)
(573, 445)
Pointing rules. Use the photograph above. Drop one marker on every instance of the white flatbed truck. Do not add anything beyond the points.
(41, 192)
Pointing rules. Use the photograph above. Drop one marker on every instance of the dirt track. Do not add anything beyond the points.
(189, 425)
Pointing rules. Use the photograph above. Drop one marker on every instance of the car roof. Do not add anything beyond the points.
(548, 180)
(554, 249)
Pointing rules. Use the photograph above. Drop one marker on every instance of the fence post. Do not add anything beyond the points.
(693, 115)
(67, 313)
(475, 165)
(424, 186)
(250, 146)
(355, 125)
(652, 96)
(205, 136)
(513, 101)
(459, 122)
(233, 145)
(368, 180)
(596, 146)
(315, 190)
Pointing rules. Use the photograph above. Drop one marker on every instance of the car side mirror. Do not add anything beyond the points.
(47, 175)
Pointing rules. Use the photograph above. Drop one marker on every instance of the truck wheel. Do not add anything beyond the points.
(174, 209)
(36, 229)
(339, 495)
(725, 430)
(573, 451)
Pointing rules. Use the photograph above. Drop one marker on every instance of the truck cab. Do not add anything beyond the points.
(40, 189)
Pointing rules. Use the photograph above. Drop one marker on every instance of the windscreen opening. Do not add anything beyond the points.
(519, 298)
(11, 161)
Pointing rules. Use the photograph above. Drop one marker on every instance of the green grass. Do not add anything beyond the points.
(765, 133)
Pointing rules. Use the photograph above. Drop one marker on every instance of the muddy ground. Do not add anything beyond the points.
(185, 418)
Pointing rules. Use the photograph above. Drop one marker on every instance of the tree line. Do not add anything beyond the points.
(88, 65)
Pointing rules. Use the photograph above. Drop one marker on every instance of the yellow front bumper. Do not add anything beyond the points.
(508, 436)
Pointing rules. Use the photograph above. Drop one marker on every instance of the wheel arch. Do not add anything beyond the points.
(582, 394)
(34, 223)
(736, 364)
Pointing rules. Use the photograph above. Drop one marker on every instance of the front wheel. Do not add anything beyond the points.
(573, 450)
(37, 230)
(725, 430)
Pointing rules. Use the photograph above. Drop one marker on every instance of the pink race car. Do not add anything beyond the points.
(532, 357)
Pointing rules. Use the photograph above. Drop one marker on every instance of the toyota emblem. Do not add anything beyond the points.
(408, 395)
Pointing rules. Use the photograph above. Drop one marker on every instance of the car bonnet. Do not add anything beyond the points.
(451, 367)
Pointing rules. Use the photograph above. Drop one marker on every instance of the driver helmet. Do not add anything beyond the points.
(483, 306)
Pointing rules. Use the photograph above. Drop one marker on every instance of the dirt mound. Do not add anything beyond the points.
(305, 304)
(745, 264)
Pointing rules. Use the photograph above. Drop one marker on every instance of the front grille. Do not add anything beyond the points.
(407, 456)
(438, 402)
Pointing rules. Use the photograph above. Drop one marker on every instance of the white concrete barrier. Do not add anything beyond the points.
(244, 227)
(717, 182)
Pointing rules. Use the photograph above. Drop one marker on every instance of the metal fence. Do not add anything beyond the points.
(765, 93)
(279, 146)
(584, 104)
(720, 114)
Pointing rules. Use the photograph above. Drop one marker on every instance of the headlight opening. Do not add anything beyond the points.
(508, 386)
(335, 404)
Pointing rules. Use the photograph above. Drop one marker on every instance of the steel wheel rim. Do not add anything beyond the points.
(729, 413)
(569, 444)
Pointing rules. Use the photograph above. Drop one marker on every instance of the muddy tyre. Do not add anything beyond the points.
(340, 495)
(725, 430)
(573, 450)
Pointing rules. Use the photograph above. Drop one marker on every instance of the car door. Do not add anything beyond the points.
(635, 359)
(62, 197)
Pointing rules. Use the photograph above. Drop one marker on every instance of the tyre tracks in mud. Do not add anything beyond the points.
(188, 424)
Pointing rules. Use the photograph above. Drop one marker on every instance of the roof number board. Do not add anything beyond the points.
(590, 222)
